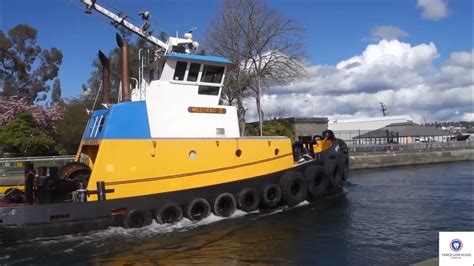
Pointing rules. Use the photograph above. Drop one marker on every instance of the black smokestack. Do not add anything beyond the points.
(105, 77)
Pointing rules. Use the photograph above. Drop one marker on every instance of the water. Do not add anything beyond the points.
(384, 216)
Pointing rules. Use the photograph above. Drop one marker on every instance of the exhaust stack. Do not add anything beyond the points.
(124, 68)
(105, 77)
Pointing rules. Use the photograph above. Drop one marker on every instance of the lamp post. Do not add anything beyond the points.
(312, 107)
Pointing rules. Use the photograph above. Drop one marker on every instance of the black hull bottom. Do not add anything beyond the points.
(50, 220)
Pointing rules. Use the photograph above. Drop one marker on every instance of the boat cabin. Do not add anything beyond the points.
(177, 97)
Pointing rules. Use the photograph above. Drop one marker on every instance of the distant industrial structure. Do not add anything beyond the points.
(374, 130)
(348, 129)
(403, 133)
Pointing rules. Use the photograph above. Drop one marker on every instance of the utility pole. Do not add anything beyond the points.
(312, 106)
(384, 109)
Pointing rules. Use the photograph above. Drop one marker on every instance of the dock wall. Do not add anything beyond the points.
(400, 158)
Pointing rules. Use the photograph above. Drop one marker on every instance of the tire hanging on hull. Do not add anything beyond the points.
(169, 214)
(271, 195)
(318, 182)
(248, 199)
(137, 218)
(333, 171)
(198, 209)
(294, 188)
(225, 205)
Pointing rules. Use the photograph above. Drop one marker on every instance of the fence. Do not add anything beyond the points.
(453, 145)
(15, 166)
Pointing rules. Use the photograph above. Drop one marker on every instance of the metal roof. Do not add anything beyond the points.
(205, 58)
(407, 129)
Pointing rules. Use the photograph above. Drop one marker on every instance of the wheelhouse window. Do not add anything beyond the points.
(193, 71)
(180, 70)
(212, 74)
(208, 90)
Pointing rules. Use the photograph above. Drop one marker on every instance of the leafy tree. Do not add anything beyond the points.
(272, 128)
(43, 116)
(94, 82)
(26, 68)
(56, 93)
(71, 127)
(23, 137)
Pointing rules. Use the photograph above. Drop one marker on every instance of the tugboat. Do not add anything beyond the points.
(168, 150)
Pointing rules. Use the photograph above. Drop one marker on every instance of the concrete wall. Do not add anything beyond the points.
(309, 129)
(370, 160)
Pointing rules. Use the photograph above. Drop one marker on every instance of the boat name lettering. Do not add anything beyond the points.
(206, 110)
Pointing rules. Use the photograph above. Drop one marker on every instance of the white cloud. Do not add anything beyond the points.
(396, 73)
(468, 117)
(387, 32)
(461, 59)
(433, 9)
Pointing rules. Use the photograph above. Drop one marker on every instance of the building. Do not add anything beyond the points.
(403, 133)
(348, 129)
(307, 126)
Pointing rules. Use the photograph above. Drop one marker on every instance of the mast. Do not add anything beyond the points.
(175, 44)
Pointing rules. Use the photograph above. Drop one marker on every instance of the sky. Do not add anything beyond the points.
(415, 56)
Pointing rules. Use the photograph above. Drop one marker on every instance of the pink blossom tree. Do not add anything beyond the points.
(45, 117)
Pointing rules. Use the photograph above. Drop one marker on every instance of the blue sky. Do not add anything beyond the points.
(335, 30)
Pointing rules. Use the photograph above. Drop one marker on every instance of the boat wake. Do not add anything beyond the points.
(98, 243)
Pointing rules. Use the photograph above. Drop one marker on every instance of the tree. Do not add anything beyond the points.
(43, 116)
(73, 124)
(265, 47)
(273, 127)
(23, 137)
(94, 82)
(56, 93)
(25, 68)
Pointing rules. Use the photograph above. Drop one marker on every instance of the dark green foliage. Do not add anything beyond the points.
(95, 80)
(71, 127)
(23, 137)
(25, 68)
(271, 128)
(56, 93)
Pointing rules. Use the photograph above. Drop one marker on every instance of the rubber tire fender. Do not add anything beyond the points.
(271, 195)
(225, 205)
(333, 172)
(344, 164)
(13, 195)
(163, 214)
(137, 218)
(318, 182)
(193, 209)
(294, 188)
(248, 199)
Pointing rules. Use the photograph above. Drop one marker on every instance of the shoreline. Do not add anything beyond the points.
(408, 158)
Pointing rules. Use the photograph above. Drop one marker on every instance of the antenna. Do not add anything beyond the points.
(120, 19)
(174, 44)
(384, 109)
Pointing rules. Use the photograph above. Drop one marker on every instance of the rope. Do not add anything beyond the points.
(97, 97)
